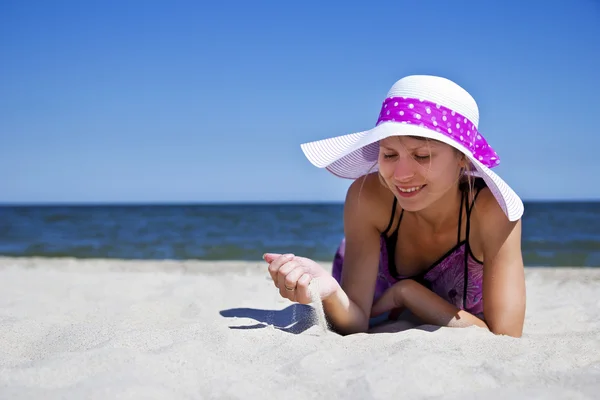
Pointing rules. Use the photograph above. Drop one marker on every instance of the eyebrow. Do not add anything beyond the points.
(407, 147)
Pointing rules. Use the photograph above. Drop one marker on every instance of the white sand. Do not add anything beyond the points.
(100, 329)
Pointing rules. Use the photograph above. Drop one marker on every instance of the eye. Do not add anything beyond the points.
(388, 156)
(419, 157)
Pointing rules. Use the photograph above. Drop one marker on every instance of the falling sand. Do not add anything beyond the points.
(313, 290)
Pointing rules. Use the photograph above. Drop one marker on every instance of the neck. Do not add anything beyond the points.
(441, 215)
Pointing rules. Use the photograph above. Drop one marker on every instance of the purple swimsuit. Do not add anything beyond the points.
(448, 277)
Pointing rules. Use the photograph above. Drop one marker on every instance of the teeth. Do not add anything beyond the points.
(410, 189)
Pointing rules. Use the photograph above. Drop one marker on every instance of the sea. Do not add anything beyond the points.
(554, 233)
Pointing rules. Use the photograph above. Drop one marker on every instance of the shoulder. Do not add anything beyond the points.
(369, 201)
(487, 211)
(486, 208)
(494, 229)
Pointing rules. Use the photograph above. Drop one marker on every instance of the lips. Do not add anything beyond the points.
(409, 191)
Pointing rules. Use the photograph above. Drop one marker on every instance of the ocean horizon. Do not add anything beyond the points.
(160, 203)
(555, 232)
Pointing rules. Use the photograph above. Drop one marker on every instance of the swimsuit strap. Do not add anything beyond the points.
(469, 213)
(462, 201)
(390, 241)
(392, 217)
(468, 248)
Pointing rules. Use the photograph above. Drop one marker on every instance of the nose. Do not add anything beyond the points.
(404, 169)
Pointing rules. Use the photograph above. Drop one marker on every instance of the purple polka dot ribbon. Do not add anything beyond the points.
(440, 119)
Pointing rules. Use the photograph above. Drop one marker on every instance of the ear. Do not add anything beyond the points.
(462, 160)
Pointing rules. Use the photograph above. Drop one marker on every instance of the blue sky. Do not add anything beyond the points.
(175, 101)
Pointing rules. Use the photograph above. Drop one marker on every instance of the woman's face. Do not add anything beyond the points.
(418, 171)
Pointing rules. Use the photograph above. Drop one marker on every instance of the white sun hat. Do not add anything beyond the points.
(426, 106)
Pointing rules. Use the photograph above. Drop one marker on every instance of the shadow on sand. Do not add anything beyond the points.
(298, 318)
(295, 319)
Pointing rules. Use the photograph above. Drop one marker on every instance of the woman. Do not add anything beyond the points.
(429, 228)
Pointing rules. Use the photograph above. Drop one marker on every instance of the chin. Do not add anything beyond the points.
(411, 206)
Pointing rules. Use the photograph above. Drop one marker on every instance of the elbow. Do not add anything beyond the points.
(348, 332)
(350, 329)
(513, 330)
(506, 321)
(349, 326)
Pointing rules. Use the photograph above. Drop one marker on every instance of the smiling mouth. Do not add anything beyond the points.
(410, 190)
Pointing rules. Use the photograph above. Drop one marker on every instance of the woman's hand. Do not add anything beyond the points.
(391, 300)
(427, 306)
(292, 275)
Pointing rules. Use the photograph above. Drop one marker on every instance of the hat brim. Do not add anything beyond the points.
(354, 155)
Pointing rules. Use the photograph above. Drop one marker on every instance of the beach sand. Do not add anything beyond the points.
(113, 329)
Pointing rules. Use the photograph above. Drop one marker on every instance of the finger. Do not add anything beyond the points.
(385, 303)
(276, 264)
(286, 290)
(270, 257)
(292, 277)
(284, 270)
(302, 292)
(287, 294)
(273, 274)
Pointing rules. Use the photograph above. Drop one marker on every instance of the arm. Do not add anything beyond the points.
(348, 309)
(503, 272)
(430, 308)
